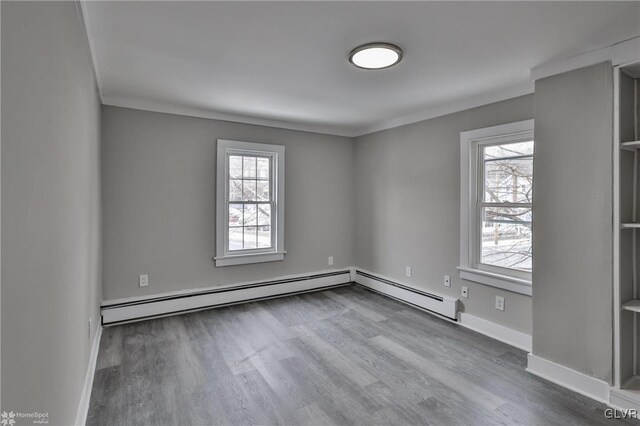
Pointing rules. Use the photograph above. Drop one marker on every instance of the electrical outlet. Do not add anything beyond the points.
(143, 280)
(464, 291)
(330, 261)
(447, 281)
(500, 303)
(408, 271)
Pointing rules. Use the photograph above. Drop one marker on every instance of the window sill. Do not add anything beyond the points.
(516, 285)
(244, 259)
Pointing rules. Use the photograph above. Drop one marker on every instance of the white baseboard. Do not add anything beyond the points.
(134, 309)
(625, 400)
(571, 379)
(628, 398)
(434, 303)
(85, 398)
(496, 331)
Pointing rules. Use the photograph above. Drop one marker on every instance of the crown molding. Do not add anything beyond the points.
(169, 108)
(452, 107)
(621, 53)
(433, 112)
(81, 8)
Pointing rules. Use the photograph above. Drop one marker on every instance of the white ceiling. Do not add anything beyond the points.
(285, 64)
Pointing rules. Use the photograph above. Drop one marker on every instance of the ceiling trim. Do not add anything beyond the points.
(433, 112)
(452, 107)
(168, 108)
(621, 53)
(84, 21)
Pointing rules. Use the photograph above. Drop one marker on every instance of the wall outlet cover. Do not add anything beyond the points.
(464, 291)
(500, 303)
(408, 271)
(330, 260)
(143, 280)
(447, 281)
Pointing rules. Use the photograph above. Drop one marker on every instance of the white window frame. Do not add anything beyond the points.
(276, 252)
(470, 268)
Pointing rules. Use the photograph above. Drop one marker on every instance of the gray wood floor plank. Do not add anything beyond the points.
(269, 405)
(235, 357)
(110, 353)
(390, 370)
(279, 380)
(364, 311)
(350, 369)
(458, 383)
(336, 395)
(312, 414)
(346, 356)
(264, 316)
(260, 336)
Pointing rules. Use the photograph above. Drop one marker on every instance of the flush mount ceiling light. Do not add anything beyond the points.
(375, 56)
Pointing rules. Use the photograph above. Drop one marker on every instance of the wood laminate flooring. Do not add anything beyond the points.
(344, 356)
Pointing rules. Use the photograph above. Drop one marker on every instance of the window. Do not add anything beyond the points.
(250, 203)
(496, 206)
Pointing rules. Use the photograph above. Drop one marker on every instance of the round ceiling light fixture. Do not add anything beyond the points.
(375, 56)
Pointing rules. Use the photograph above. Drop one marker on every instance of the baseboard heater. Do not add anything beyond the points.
(140, 309)
(445, 306)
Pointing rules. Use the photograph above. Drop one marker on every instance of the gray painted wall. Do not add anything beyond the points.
(158, 174)
(418, 167)
(572, 267)
(50, 208)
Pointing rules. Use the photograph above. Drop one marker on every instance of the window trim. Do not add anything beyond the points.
(224, 257)
(470, 142)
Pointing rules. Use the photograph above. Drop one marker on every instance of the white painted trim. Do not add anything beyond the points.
(169, 108)
(412, 295)
(353, 274)
(617, 302)
(625, 399)
(504, 282)
(469, 143)
(245, 259)
(496, 331)
(81, 6)
(447, 108)
(163, 305)
(85, 398)
(621, 53)
(426, 114)
(571, 379)
(619, 400)
(195, 291)
(276, 252)
(501, 130)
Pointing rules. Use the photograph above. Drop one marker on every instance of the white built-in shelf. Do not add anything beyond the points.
(630, 225)
(629, 394)
(632, 385)
(632, 305)
(630, 146)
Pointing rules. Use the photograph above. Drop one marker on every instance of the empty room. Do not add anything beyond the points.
(320, 213)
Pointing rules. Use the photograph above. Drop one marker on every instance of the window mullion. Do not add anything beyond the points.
(481, 206)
